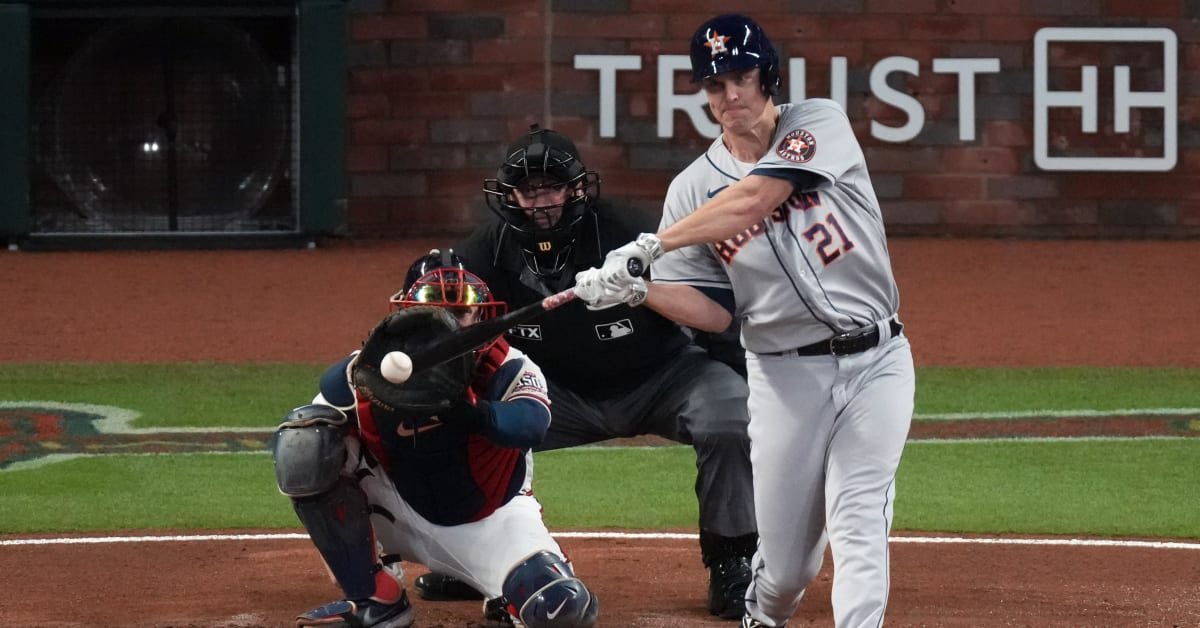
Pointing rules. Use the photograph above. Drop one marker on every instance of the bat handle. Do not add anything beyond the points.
(557, 299)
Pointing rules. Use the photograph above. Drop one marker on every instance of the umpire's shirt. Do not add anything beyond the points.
(595, 354)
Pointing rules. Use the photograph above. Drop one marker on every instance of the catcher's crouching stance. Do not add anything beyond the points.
(436, 470)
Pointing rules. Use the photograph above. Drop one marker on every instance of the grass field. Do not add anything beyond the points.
(1102, 487)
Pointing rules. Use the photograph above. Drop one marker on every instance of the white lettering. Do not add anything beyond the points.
(1086, 98)
(669, 101)
(608, 65)
(797, 80)
(898, 99)
(966, 69)
(837, 80)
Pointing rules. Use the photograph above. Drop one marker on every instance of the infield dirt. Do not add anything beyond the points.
(964, 303)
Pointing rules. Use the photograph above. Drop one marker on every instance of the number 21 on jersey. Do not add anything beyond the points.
(830, 239)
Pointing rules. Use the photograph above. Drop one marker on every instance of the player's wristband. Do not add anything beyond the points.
(637, 293)
(651, 244)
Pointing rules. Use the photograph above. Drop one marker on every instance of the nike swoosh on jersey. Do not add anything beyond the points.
(405, 431)
(555, 612)
(712, 193)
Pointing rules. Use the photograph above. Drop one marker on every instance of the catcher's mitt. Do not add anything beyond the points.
(427, 392)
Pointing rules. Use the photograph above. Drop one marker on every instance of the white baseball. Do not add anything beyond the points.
(396, 367)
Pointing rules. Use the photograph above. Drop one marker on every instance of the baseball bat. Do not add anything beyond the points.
(469, 338)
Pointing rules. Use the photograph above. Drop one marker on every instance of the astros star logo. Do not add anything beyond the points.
(716, 42)
(797, 146)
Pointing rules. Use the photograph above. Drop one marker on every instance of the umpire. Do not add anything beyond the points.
(617, 372)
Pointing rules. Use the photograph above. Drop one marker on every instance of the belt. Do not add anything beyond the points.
(848, 343)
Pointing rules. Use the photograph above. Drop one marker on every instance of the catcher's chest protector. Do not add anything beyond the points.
(448, 474)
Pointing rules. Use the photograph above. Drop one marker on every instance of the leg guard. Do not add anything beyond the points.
(543, 592)
(309, 454)
(338, 521)
(308, 450)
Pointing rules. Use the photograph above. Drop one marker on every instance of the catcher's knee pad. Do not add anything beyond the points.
(544, 593)
(309, 451)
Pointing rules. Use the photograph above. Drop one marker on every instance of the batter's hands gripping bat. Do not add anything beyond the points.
(467, 339)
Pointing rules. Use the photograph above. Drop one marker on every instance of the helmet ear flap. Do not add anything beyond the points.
(770, 78)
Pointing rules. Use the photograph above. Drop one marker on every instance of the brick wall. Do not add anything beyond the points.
(437, 88)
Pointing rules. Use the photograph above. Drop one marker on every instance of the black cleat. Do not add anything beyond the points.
(438, 587)
(728, 578)
(495, 614)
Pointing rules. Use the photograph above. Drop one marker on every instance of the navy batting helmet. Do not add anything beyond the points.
(733, 42)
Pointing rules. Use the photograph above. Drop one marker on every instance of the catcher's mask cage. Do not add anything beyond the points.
(548, 159)
(734, 43)
(453, 288)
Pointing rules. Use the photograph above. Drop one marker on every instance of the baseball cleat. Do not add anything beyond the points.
(441, 588)
(496, 615)
(750, 622)
(728, 579)
(367, 613)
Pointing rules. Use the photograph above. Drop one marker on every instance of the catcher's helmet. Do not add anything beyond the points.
(734, 42)
(435, 258)
(543, 158)
(439, 279)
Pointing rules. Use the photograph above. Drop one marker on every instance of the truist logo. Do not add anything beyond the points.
(1103, 98)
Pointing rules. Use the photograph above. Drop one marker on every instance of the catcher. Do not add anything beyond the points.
(436, 470)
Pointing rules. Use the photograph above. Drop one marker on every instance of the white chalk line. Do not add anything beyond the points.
(921, 540)
(1056, 414)
(117, 420)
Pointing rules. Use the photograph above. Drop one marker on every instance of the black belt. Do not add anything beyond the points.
(848, 343)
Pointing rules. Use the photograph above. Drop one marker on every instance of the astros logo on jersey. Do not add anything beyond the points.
(716, 42)
(798, 146)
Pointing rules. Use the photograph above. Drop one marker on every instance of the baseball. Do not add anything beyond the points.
(396, 367)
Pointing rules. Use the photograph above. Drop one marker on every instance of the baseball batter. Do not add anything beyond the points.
(778, 224)
(436, 471)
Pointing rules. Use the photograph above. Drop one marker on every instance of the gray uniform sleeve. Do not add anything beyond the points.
(694, 265)
(816, 137)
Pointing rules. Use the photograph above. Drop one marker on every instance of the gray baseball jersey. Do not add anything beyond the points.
(823, 250)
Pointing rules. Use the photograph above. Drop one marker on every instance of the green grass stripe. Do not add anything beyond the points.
(1142, 488)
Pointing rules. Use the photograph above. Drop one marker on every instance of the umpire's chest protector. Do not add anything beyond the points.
(594, 350)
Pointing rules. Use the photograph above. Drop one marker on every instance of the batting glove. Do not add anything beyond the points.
(634, 258)
(601, 292)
